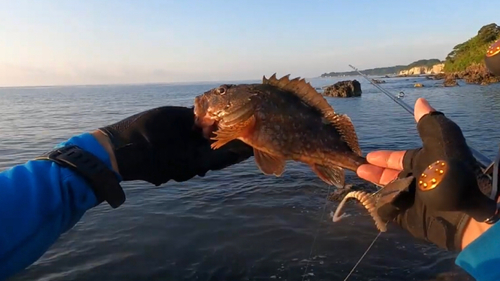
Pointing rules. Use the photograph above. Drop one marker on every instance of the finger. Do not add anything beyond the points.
(377, 174)
(422, 107)
(386, 159)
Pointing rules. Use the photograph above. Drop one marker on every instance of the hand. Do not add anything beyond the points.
(164, 144)
(442, 139)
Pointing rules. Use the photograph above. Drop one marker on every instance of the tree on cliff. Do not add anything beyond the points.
(473, 50)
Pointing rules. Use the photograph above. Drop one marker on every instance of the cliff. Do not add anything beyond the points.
(472, 51)
(391, 70)
(466, 60)
(417, 70)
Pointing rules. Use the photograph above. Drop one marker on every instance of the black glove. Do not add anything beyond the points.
(164, 144)
(442, 140)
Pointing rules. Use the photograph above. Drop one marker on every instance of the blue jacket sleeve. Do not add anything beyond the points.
(39, 201)
(481, 258)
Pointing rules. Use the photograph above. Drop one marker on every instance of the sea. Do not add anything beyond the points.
(237, 224)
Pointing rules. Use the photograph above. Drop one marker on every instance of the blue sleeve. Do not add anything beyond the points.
(481, 258)
(39, 201)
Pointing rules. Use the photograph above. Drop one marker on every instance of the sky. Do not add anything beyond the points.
(56, 42)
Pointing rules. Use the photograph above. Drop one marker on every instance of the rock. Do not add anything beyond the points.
(344, 89)
(473, 74)
(418, 85)
(450, 82)
(477, 74)
(378, 81)
(438, 76)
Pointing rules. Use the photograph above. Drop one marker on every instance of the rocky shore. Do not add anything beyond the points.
(474, 74)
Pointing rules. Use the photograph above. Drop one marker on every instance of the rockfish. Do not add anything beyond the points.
(282, 119)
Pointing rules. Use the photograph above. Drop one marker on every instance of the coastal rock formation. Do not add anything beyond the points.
(343, 89)
(466, 60)
(477, 74)
(438, 76)
(450, 82)
(418, 70)
(473, 74)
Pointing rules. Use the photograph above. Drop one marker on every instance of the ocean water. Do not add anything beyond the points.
(236, 224)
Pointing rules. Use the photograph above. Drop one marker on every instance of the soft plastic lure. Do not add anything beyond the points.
(368, 201)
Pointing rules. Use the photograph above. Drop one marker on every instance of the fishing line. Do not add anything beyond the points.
(316, 235)
(483, 160)
(362, 256)
(369, 247)
(486, 164)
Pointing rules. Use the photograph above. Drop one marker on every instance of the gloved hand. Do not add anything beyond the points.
(164, 144)
(442, 139)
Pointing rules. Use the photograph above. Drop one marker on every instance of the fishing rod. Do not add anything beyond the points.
(455, 183)
(481, 158)
(448, 185)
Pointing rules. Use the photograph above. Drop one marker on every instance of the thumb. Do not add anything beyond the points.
(422, 107)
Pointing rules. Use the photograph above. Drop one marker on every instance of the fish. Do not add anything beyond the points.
(282, 120)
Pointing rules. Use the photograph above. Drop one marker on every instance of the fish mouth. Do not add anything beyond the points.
(204, 118)
(210, 119)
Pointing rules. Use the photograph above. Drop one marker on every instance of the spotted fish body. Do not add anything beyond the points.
(282, 120)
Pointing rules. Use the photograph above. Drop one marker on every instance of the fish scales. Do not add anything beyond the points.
(282, 120)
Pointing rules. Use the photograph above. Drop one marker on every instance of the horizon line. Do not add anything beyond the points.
(179, 82)
(152, 83)
(139, 83)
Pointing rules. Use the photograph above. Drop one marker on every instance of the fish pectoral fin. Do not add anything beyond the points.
(269, 164)
(332, 175)
(223, 135)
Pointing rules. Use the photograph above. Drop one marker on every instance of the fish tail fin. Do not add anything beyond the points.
(332, 175)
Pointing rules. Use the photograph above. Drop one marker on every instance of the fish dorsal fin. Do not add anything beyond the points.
(302, 89)
(310, 96)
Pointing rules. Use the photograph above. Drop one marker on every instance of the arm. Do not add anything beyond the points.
(480, 255)
(39, 201)
(455, 231)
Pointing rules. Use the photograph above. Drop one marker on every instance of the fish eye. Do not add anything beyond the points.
(221, 90)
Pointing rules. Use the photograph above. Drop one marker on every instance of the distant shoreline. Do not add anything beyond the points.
(465, 60)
